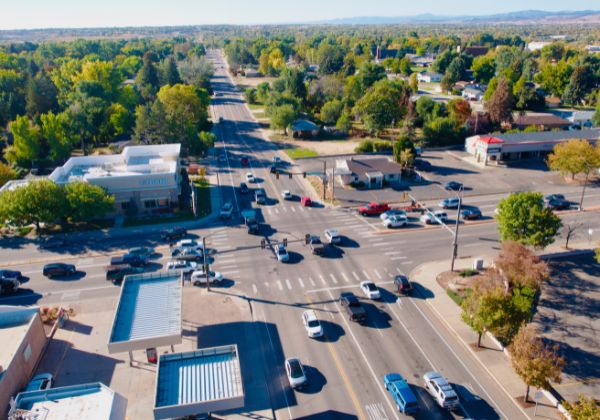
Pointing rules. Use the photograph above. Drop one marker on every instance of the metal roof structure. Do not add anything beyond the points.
(148, 313)
(196, 382)
(93, 401)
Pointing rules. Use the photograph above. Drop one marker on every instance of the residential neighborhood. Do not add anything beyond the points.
(211, 215)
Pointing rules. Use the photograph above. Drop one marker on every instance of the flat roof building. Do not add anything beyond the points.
(372, 172)
(198, 382)
(537, 145)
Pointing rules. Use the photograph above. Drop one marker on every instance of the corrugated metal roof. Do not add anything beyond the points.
(149, 307)
(544, 136)
(199, 380)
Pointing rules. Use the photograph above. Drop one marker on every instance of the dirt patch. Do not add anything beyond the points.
(322, 147)
(244, 82)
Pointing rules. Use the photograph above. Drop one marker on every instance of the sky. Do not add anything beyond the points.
(27, 14)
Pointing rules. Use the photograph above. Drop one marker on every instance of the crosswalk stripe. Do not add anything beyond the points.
(355, 275)
(301, 282)
(377, 273)
(284, 209)
(381, 244)
(254, 289)
(406, 262)
(293, 209)
(312, 282)
(279, 285)
(375, 239)
(269, 211)
(230, 272)
(333, 278)
(401, 257)
(399, 271)
(301, 208)
(392, 253)
(346, 279)
(276, 211)
(289, 285)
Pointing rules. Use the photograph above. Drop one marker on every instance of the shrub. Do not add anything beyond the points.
(469, 272)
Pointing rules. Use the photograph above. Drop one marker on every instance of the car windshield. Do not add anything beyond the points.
(296, 369)
(451, 398)
(313, 323)
(371, 287)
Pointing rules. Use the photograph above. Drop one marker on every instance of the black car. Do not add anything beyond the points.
(552, 197)
(172, 234)
(116, 273)
(471, 214)
(11, 274)
(133, 260)
(8, 286)
(453, 186)
(58, 270)
(558, 204)
(402, 284)
(243, 188)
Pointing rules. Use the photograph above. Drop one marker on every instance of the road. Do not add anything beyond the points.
(347, 366)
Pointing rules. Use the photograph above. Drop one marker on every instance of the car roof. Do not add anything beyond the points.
(310, 314)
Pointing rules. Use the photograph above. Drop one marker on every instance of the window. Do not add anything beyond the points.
(150, 204)
(27, 352)
(163, 202)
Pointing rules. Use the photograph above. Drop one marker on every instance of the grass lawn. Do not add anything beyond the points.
(181, 216)
(300, 153)
(256, 106)
(458, 297)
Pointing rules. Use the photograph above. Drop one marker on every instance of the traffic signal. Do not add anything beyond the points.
(277, 174)
(307, 238)
(285, 242)
(304, 174)
(263, 244)
(290, 174)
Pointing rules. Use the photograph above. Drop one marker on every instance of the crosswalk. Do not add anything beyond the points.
(290, 208)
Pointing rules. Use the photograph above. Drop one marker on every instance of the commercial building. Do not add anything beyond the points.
(536, 145)
(22, 340)
(372, 172)
(93, 401)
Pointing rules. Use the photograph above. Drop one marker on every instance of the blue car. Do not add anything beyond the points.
(405, 399)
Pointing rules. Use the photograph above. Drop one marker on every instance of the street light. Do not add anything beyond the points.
(455, 241)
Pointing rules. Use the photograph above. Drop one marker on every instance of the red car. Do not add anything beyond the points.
(373, 209)
(245, 161)
(306, 201)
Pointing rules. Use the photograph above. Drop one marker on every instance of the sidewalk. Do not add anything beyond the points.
(495, 361)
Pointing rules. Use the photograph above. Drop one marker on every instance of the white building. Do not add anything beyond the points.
(537, 45)
(429, 77)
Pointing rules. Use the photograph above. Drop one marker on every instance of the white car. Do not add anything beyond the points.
(286, 195)
(332, 236)
(313, 327)
(370, 289)
(392, 212)
(449, 203)
(441, 391)
(282, 254)
(226, 210)
(188, 243)
(395, 221)
(433, 217)
(199, 277)
(250, 177)
(295, 373)
(186, 267)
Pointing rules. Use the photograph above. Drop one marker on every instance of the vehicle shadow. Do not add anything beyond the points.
(347, 242)
(295, 257)
(224, 284)
(74, 277)
(328, 415)
(474, 404)
(316, 380)
(153, 266)
(333, 252)
(332, 331)
(23, 296)
(376, 316)
(421, 292)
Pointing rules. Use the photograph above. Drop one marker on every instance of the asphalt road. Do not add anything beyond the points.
(346, 367)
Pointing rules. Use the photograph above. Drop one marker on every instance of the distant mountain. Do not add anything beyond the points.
(523, 17)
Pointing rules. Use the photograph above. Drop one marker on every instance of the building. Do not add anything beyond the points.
(514, 146)
(201, 381)
(537, 45)
(473, 93)
(251, 73)
(371, 172)
(577, 118)
(593, 48)
(543, 121)
(93, 401)
(23, 340)
(304, 128)
(421, 60)
(552, 102)
(476, 50)
(429, 77)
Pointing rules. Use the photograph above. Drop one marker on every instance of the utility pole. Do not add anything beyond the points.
(333, 185)
(455, 241)
(324, 182)
(205, 263)
(583, 191)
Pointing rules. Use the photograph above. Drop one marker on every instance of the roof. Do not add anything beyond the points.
(361, 167)
(549, 136)
(553, 99)
(430, 74)
(304, 125)
(490, 140)
(14, 324)
(201, 381)
(537, 118)
(93, 401)
(148, 313)
(476, 50)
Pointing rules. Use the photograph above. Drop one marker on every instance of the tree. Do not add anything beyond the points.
(344, 123)
(441, 131)
(460, 111)
(121, 119)
(40, 95)
(293, 81)
(501, 103)
(583, 409)
(368, 74)
(196, 71)
(520, 267)
(169, 75)
(147, 78)
(580, 84)
(596, 117)
(456, 71)
(491, 88)
(575, 157)
(404, 151)
(443, 60)
(55, 130)
(384, 103)
(202, 143)
(554, 77)
(250, 95)
(405, 66)
(526, 96)
(7, 173)
(262, 92)
(414, 83)
(535, 362)
(282, 117)
(87, 202)
(332, 111)
(522, 217)
(26, 145)
(330, 58)
(102, 74)
(484, 68)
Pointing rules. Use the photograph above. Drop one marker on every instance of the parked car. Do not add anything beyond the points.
(131, 259)
(116, 273)
(281, 253)
(395, 221)
(402, 284)
(402, 394)
(287, 195)
(551, 197)
(199, 277)
(245, 161)
(243, 188)
(295, 373)
(370, 290)
(471, 214)
(9, 286)
(273, 169)
(276, 160)
(558, 204)
(188, 254)
(449, 203)
(260, 196)
(58, 270)
(11, 275)
(306, 201)
(312, 325)
(373, 209)
(173, 234)
(433, 217)
(40, 382)
(441, 391)
(187, 267)
(142, 251)
(226, 210)
(249, 177)
(353, 307)
(392, 212)
(453, 186)
(53, 243)
(188, 243)
(332, 236)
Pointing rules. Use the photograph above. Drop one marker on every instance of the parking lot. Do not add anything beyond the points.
(568, 315)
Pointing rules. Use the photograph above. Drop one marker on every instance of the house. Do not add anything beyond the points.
(473, 93)
(251, 73)
(372, 172)
(421, 60)
(593, 49)
(537, 45)
(543, 121)
(304, 128)
(429, 77)
(580, 118)
(552, 102)
(476, 50)
(515, 146)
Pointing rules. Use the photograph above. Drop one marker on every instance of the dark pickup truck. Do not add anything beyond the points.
(352, 305)
(316, 246)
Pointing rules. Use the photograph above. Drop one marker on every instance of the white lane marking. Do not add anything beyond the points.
(402, 257)
(293, 209)
(230, 272)
(254, 289)
(323, 280)
(70, 296)
(312, 282)
(381, 244)
(346, 279)
(279, 285)
(269, 212)
(375, 239)
(289, 285)
(406, 262)
(222, 266)
(333, 278)
(276, 210)
(355, 276)
(301, 282)
(377, 273)
(392, 253)
(352, 286)
(376, 411)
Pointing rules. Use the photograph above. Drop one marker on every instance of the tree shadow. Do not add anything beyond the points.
(329, 415)
(421, 292)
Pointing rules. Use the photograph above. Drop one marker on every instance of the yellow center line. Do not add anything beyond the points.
(347, 383)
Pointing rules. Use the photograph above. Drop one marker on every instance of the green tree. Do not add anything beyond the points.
(456, 71)
(102, 74)
(383, 104)
(262, 92)
(370, 73)
(282, 117)
(87, 202)
(554, 77)
(501, 103)
(491, 88)
(250, 95)
(344, 123)
(204, 141)
(405, 66)
(583, 409)
(443, 60)
(330, 58)
(168, 73)
(293, 82)
(441, 131)
(536, 363)
(404, 151)
(121, 119)
(526, 96)
(55, 131)
(26, 145)
(596, 117)
(484, 68)
(332, 111)
(580, 84)
(522, 217)
(196, 71)
(147, 78)
(7, 173)
(414, 83)
(40, 95)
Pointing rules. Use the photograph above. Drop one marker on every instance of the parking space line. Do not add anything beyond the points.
(279, 285)
(366, 274)
(301, 282)
(323, 280)
(333, 278)
(254, 289)
(355, 276)
(377, 273)
(312, 282)
(289, 285)
(346, 279)
(293, 209)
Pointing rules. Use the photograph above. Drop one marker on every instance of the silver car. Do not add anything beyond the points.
(295, 373)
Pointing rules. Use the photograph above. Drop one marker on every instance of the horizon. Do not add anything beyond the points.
(71, 14)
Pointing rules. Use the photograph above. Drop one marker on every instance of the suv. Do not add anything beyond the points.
(198, 277)
(333, 236)
(373, 209)
(395, 221)
(405, 399)
(11, 275)
(243, 188)
(116, 273)
(281, 253)
(449, 203)
(8, 286)
(172, 234)
(402, 284)
(58, 270)
(430, 218)
(316, 246)
(226, 210)
(260, 197)
(133, 260)
(353, 307)
(441, 391)
(186, 267)
(313, 327)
